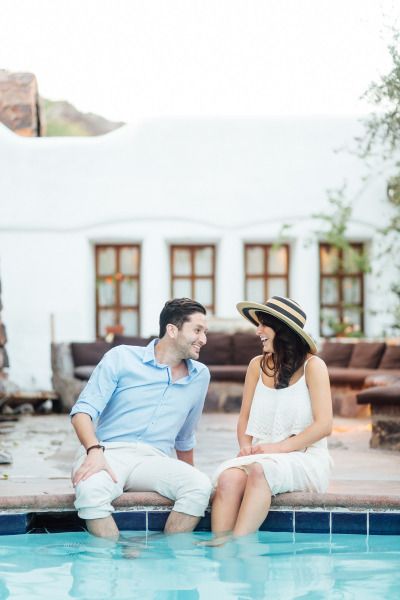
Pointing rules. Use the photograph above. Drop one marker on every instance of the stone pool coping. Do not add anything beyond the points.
(151, 500)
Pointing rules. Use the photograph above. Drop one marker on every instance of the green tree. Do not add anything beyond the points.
(382, 139)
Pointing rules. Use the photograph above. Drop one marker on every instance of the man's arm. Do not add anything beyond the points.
(186, 440)
(87, 408)
(186, 455)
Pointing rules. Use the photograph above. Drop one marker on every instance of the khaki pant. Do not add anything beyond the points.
(140, 468)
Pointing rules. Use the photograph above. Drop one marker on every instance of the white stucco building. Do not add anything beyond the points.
(228, 185)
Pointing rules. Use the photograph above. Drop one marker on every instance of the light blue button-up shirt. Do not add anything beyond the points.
(135, 400)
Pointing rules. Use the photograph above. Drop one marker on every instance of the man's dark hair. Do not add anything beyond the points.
(177, 312)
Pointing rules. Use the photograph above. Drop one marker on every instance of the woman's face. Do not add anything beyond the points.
(266, 335)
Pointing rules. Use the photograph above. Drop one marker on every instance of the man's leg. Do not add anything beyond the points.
(95, 494)
(175, 479)
(180, 523)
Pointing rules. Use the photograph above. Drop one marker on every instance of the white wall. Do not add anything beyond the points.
(222, 181)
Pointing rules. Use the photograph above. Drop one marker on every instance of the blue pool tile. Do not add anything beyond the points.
(55, 522)
(157, 519)
(311, 522)
(278, 520)
(204, 523)
(130, 521)
(384, 523)
(14, 523)
(349, 522)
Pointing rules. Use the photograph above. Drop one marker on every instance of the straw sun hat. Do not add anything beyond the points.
(285, 310)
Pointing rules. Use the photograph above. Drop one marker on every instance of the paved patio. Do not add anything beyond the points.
(43, 448)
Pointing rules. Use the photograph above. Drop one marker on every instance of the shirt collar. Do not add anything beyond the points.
(149, 357)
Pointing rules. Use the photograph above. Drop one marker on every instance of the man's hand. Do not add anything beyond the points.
(93, 463)
(245, 451)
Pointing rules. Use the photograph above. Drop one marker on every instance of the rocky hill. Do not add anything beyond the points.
(60, 118)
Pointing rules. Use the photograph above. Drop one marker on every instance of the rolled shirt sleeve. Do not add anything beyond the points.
(99, 388)
(186, 438)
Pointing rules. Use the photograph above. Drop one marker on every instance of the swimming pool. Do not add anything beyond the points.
(276, 565)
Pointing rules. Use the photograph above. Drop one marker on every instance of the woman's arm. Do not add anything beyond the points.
(252, 375)
(317, 380)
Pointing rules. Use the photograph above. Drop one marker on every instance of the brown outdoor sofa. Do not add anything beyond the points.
(352, 367)
(355, 366)
(226, 355)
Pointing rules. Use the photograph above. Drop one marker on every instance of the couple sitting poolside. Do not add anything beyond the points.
(148, 401)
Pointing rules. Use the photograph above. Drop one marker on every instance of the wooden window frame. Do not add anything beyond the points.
(266, 276)
(340, 275)
(192, 248)
(117, 306)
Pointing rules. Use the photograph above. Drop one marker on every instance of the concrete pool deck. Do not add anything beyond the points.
(43, 447)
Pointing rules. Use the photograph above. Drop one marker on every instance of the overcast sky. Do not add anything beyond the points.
(129, 59)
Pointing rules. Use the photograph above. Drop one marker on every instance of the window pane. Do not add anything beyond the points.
(277, 260)
(203, 291)
(255, 290)
(107, 318)
(277, 287)
(107, 261)
(255, 260)
(182, 288)
(329, 259)
(129, 321)
(129, 261)
(203, 262)
(352, 290)
(106, 291)
(351, 257)
(330, 322)
(181, 262)
(129, 292)
(330, 290)
(352, 316)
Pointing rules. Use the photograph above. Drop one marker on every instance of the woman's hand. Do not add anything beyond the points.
(245, 451)
(267, 449)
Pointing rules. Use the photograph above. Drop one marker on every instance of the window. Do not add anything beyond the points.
(193, 274)
(117, 289)
(266, 271)
(341, 290)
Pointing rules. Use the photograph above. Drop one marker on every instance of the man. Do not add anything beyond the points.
(147, 401)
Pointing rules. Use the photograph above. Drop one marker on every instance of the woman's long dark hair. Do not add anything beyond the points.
(290, 351)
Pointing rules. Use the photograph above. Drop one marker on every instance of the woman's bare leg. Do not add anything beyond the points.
(255, 504)
(226, 504)
(227, 499)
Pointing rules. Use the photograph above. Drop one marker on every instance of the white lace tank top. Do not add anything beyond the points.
(277, 414)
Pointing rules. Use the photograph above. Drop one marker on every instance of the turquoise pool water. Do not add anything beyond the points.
(279, 566)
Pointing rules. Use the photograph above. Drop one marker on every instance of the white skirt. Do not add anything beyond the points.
(305, 471)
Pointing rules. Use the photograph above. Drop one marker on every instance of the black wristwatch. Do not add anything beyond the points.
(95, 446)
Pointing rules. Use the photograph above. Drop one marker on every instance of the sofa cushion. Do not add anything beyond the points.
(367, 355)
(380, 395)
(347, 376)
(335, 354)
(245, 347)
(84, 372)
(382, 378)
(89, 353)
(228, 372)
(390, 358)
(218, 350)
(130, 340)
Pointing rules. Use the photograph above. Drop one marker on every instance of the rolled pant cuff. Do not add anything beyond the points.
(94, 513)
(190, 508)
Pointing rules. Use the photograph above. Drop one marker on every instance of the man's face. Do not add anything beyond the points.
(192, 336)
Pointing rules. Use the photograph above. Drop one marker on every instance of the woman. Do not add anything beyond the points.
(285, 417)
